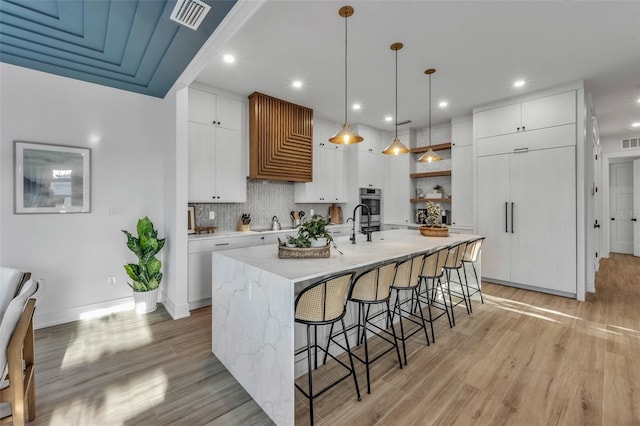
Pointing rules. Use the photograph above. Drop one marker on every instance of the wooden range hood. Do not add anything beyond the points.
(280, 139)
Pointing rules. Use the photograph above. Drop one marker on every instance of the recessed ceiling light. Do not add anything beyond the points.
(639, 101)
(518, 83)
(297, 84)
(229, 59)
(388, 118)
(443, 104)
(356, 106)
(636, 124)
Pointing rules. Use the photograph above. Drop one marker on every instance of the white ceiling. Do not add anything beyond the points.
(478, 48)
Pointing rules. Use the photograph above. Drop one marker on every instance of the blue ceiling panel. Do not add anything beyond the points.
(127, 44)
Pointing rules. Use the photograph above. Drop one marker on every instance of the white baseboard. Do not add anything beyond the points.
(176, 312)
(199, 304)
(42, 320)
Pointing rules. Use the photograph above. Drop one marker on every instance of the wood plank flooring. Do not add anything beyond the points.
(522, 358)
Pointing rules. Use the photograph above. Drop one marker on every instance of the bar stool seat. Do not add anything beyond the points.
(371, 288)
(434, 294)
(454, 263)
(407, 279)
(471, 256)
(324, 303)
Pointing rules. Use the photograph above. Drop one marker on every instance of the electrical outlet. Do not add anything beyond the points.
(111, 280)
(212, 215)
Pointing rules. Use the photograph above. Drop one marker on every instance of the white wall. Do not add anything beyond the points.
(128, 135)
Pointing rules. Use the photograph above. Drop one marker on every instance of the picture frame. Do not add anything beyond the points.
(51, 178)
(191, 220)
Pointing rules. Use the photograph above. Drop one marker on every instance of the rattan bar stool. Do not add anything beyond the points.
(324, 303)
(454, 263)
(431, 289)
(407, 279)
(471, 256)
(370, 288)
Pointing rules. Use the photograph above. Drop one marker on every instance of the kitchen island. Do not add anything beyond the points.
(253, 295)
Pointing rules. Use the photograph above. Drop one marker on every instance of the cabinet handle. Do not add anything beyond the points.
(221, 244)
(518, 129)
(633, 219)
(613, 218)
(512, 218)
(522, 127)
(506, 215)
(521, 150)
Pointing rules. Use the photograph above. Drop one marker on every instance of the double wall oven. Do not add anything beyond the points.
(372, 198)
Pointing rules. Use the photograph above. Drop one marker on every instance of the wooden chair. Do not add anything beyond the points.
(19, 381)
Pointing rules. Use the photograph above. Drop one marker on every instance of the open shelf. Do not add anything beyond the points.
(431, 174)
(437, 147)
(435, 200)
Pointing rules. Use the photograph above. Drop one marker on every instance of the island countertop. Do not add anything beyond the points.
(253, 330)
(385, 245)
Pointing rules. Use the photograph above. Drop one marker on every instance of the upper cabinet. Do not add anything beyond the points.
(214, 110)
(216, 154)
(329, 184)
(370, 158)
(543, 112)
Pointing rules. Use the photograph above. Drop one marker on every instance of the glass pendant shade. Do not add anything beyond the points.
(346, 136)
(429, 157)
(396, 148)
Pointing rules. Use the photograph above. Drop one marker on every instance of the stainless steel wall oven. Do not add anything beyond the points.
(372, 198)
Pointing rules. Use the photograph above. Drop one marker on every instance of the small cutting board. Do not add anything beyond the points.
(335, 213)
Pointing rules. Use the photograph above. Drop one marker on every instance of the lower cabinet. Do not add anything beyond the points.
(199, 280)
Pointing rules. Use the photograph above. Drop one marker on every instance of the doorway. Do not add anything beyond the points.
(621, 207)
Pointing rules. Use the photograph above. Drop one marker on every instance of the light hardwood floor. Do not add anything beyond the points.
(522, 358)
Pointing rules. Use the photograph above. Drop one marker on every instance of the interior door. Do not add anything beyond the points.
(621, 207)
(543, 242)
(493, 218)
(636, 208)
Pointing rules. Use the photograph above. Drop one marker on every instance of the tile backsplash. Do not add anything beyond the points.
(265, 199)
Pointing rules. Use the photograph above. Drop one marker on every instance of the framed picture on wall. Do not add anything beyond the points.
(51, 178)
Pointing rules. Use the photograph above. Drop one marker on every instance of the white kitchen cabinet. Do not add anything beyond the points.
(216, 172)
(527, 212)
(543, 112)
(329, 184)
(462, 186)
(199, 278)
(396, 189)
(370, 169)
(208, 108)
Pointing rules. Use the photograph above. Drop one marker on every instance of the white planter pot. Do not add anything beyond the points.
(146, 301)
(320, 242)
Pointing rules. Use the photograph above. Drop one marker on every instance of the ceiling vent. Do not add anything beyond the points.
(630, 143)
(190, 13)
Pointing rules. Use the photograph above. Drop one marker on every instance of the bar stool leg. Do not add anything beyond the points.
(324, 360)
(464, 296)
(477, 282)
(445, 303)
(397, 305)
(353, 368)
(366, 348)
(433, 334)
(424, 326)
(310, 373)
(453, 316)
(393, 332)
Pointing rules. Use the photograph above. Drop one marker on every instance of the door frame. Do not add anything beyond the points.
(605, 237)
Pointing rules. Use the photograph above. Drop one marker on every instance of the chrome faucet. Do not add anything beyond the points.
(353, 219)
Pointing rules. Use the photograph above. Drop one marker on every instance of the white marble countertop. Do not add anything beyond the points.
(385, 245)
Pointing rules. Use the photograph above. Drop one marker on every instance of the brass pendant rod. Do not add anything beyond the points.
(396, 94)
(346, 16)
(429, 110)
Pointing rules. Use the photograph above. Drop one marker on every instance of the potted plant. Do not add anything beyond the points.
(146, 273)
(315, 232)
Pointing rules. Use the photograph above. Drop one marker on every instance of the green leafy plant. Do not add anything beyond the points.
(438, 188)
(146, 273)
(312, 229)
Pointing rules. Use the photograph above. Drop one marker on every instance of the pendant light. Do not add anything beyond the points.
(396, 147)
(345, 135)
(429, 156)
